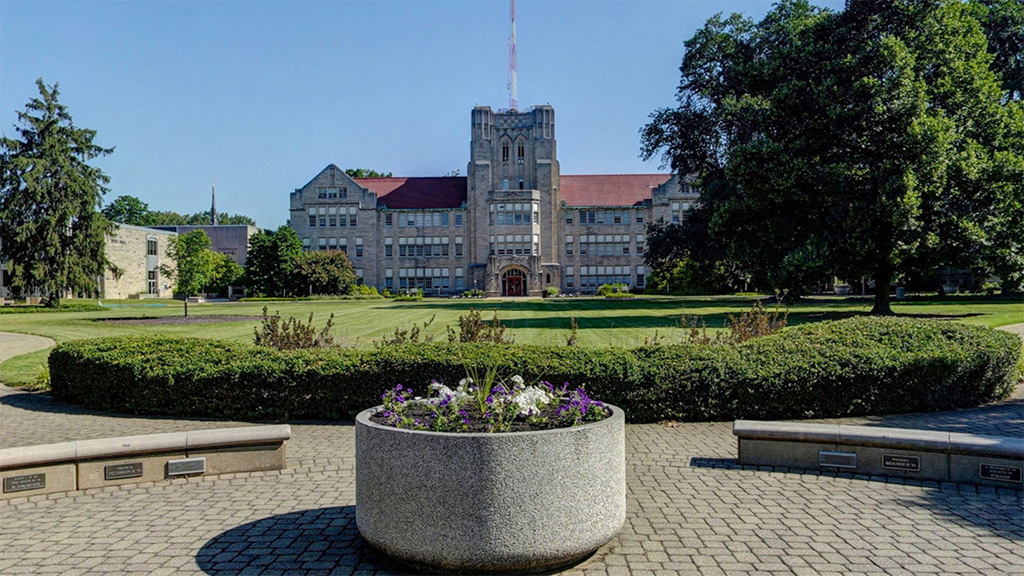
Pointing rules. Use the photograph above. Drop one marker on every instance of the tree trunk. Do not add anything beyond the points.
(186, 305)
(883, 276)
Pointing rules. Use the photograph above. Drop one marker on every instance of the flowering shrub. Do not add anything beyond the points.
(489, 406)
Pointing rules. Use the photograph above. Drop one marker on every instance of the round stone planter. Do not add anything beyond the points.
(509, 502)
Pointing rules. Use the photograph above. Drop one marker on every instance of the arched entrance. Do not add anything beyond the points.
(513, 282)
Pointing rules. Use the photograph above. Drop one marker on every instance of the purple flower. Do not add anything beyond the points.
(399, 387)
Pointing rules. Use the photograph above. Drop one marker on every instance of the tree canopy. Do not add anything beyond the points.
(327, 272)
(366, 173)
(876, 141)
(130, 210)
(195, 265)
(271, 258)
(51, 231)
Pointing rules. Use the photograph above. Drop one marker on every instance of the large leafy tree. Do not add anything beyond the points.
(323, 272)
(195, 265)
(128, 210)
(51, 231)
(870, 142)
(271, 258)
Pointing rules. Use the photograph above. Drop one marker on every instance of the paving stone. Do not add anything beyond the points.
(691, 510)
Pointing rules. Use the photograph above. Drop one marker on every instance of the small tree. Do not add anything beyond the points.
(272, 257)
(226, 273)
(51, 231)
(325, 272)
(195, 264)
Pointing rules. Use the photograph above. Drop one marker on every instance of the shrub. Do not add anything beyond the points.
(33, 308)
(551, 292)
(292, 334)
(472, 328)
(848, 367)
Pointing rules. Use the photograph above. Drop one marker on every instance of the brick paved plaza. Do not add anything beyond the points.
(690, 509)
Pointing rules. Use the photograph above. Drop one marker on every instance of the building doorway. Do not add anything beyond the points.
(513, 282)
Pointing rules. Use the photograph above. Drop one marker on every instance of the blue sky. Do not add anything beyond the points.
(260, 96)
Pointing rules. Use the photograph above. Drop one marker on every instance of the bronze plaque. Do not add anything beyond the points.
(26, 482)
(999, 472)
(119, 471)
(899, 462)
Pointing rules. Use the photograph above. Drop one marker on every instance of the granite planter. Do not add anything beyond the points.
(507, 502)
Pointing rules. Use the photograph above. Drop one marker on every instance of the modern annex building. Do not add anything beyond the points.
(513, 226)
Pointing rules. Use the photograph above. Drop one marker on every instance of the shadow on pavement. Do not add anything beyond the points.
(318, 541)
(43, 402)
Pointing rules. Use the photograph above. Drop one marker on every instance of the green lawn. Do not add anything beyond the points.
(601, 322)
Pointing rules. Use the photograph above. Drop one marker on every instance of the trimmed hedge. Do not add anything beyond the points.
(850, 367)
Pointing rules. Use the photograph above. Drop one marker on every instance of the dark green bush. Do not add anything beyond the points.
(849, 367)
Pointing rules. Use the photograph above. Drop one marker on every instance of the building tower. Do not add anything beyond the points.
(513, 201)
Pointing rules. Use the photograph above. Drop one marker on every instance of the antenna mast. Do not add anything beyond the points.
(213, 204)
(513, 98)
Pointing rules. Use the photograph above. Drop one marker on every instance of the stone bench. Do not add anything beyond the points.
(67, 466)
(868, 450)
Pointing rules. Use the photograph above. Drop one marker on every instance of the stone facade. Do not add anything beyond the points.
(230, 239)
(513, 226)
(138, 253)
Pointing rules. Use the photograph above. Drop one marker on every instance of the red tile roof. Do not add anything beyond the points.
(610, 189)
(418, 193)
(450, 191)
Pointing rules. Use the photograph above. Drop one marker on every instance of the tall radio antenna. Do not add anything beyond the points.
(513, 98)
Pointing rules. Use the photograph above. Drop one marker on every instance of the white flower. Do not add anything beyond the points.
(517, 382)
(531, 399)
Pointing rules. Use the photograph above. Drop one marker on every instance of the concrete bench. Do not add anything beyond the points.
(923, 454)
(67, 466)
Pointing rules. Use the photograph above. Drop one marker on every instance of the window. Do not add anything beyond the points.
(352, 219)
(513, 214)
(389, 250)
(522, 184)
(312, 220)
(639, 217)
(504, 155)
(568, 218)
(323, 221)
(569, 243)
(458, 247)
(521, 152)
(150, 246)
(458, 219)
(388, 220)
(359, 250)
(333, 220)
(444, 219)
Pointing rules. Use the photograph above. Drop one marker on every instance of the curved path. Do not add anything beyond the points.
(13, 344)
(691, 510)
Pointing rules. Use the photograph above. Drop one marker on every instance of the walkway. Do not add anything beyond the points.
(691, 510)
(12, 344)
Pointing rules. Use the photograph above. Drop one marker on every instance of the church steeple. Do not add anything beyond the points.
(213, 205)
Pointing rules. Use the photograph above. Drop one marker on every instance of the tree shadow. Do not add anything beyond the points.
(302, 543)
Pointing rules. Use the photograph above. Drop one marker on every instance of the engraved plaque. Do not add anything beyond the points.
(25, 482)
(901, 462)
(837, 459)
(186, 466)
(119, 471)
(999, 472)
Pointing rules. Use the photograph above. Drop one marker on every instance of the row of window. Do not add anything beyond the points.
(332, 192)
(514, 214)
(603, 245)
(424, 278)
(613, 217)
(515, 245)
(592, 277)
(414, 219)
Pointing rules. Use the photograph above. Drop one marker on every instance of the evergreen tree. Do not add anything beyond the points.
(51, 231)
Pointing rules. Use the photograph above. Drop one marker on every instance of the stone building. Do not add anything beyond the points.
(230, 239)
(513, 226)
(138, 253)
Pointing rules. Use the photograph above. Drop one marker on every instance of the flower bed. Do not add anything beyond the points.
(489, 407)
